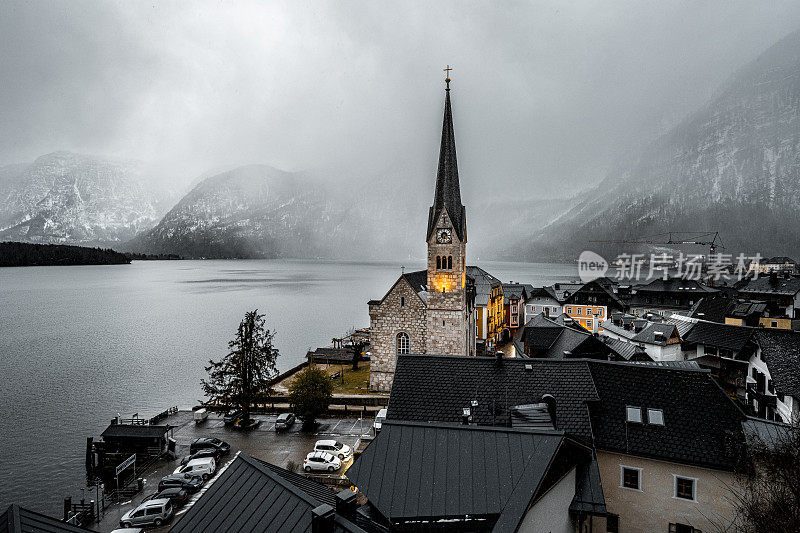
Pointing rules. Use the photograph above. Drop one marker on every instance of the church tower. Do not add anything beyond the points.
(447, 314)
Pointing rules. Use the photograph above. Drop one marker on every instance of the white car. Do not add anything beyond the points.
(379, 418)
(204, 467)
(342, 451)
(321, 461)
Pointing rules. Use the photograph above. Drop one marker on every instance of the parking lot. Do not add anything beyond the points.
(278, 448)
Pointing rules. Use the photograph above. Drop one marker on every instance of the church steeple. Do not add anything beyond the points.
(448, 191)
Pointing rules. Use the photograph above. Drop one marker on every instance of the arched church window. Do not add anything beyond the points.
(438, 263)
(450, 262)
(402, 343)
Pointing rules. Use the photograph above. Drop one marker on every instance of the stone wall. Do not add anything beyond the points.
(401, 310)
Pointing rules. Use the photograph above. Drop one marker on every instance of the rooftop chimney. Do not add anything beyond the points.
(346, 504)
(550, 400)
(499, 358)
(322, 519)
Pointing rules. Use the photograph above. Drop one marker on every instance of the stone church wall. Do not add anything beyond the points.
(387, 319)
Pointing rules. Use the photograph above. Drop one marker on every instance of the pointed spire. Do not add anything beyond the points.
(448, 191)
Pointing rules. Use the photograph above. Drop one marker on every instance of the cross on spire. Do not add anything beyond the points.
(447, 76)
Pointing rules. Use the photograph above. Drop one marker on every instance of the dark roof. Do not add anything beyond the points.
(600, 285)
(780, 349)
(656, 333)
(448, 191)
(515, 291)
(418, 280)
(626, 350)
(438, 387)
(699, 418)
(772, 285)
(713, 307)
(139, 431)
(249, 496)
(547, 292)
(744, 309)
(589, 496)
(563, 291)
(16, 519)
(318, 491)
(781, 259)
(435, 471)
(483, 282)
(676, 285)
(734, 338)
(542, 337)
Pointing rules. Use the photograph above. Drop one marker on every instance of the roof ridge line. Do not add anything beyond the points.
(297, 491)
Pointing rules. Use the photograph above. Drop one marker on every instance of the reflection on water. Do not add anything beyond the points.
(80, 344)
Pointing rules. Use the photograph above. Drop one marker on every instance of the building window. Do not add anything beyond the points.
(612, 523)
(588, 324)
(685, 488)
(569, 310)
(655, 417)
(580, 311)
(402, 343)
(630, 478)
(402, 301)
(438, 263)
(633, 414)
(450, 262)
(774, 323)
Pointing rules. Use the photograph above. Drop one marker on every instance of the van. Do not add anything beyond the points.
(204, 467)
(151, 513)
(200, 415)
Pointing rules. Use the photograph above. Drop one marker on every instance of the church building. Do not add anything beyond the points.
(429, 311)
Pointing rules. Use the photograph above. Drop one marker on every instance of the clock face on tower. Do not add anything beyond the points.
(444, 236)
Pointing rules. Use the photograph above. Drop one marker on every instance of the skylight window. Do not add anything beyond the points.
(634, 414)
(655, 417)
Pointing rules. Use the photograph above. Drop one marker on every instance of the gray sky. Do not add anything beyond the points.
(545, 94)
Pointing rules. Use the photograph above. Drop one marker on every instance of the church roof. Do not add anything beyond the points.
(448, 191)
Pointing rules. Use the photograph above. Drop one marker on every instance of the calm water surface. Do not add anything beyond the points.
(80, 344)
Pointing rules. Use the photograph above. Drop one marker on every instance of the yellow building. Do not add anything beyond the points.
(588, 316)
(496, 316)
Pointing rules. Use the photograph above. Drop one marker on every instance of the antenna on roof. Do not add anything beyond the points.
(402, 269)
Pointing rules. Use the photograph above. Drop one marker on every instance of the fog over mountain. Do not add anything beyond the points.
(209, 99)
(733, 167)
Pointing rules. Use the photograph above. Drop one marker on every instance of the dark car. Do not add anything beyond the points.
(207, 443)
(177, 495)
(184, 481)
(216, 453)
(284, 421)
(232, 416)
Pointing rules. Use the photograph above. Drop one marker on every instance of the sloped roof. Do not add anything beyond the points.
(648, 334)
(483, 284)
(565, 290)
(438, 387)
(678, 285)
(135, 431)
(683, 325)
(249, 496)
(713, 307)
(513, 291)
(772, 285)
(418, 280)
(448, 191)
(434, 471)
(780, 349)
(624, 349)
(16, 519)
(547, 292)
(733, 338)
(699, 417)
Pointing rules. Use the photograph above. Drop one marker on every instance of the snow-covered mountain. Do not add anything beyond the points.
(733, 166)
(258, 211)
(64, 197)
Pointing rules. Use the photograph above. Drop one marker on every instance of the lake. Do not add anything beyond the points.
(80, 344)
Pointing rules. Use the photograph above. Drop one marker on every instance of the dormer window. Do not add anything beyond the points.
(633, 414)
(655, 417)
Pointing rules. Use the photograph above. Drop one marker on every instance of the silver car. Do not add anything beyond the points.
(150, 513)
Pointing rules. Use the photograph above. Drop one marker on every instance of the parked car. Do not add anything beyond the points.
(185, 481)
(176, 495)
(203, 467)
(206, 452)
(200, 415)
(379, 418)
(284, 421)
(321, 461)
(206, 443)
(152, 513)
(231, 417)
(342, 451)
